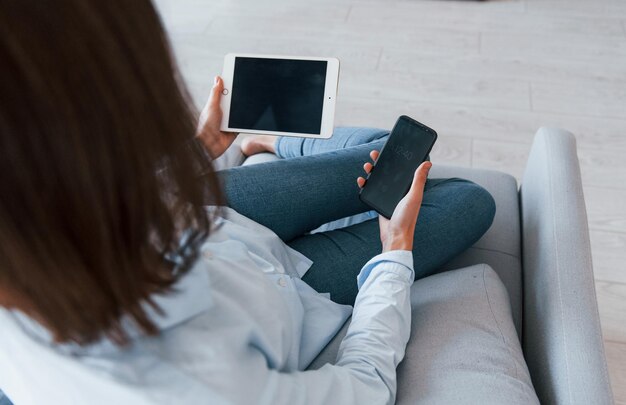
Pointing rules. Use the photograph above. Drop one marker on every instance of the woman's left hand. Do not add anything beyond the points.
(215, 141)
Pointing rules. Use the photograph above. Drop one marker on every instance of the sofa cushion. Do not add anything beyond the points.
(463, 346)
(260, 158)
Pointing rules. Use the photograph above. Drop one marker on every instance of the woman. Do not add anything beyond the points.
(115, 289)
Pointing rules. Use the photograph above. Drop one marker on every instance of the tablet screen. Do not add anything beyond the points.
(285, 95)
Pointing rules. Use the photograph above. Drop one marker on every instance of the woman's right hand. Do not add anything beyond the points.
(397, 233)
(215, 140)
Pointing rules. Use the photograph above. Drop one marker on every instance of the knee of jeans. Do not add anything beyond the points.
(355, 136)
(476, 201)
(483, 205)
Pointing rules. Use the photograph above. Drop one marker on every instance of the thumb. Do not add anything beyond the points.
(216, 92)
(419, 180)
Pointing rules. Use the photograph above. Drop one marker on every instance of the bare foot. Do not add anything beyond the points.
(254, 144)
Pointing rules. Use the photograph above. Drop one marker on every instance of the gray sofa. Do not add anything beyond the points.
(539, 248)
(529, 280)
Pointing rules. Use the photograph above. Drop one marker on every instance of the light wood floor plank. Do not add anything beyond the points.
(478, 19)
(616, 356)
(459, 90)
(437, 40)
(609, 255)
(185, 19)
(598, 8)
(411, 11)
(282, 11)
(480, 122)
(612, 306)
(553, 70)
(583, 98)
(538, 45)
(605, 208)
(603, 168)
(448, 119)
(452, 151)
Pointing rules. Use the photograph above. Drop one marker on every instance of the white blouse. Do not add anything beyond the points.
(241, 329)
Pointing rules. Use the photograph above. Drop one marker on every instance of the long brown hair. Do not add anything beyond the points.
(91, 106)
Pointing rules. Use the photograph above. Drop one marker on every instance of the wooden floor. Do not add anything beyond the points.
(486, 75)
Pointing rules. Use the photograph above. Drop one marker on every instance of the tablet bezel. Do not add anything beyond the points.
(330, 95)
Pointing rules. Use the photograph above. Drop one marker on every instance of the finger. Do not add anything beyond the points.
(360, 181)
(419, 179)
(218, 82)
(216, 92)
(374, 155)
(367, 167)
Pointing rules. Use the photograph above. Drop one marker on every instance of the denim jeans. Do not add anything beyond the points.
(315, 183)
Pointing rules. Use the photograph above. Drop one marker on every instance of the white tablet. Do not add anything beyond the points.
(279, 95)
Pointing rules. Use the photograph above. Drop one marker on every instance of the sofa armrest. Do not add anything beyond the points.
(562, 339)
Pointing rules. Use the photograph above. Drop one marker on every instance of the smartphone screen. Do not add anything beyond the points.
(406, 148)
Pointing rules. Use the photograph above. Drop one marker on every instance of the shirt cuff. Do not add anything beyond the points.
(403, 259)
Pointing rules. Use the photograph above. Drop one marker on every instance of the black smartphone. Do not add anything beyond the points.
(407, 147)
